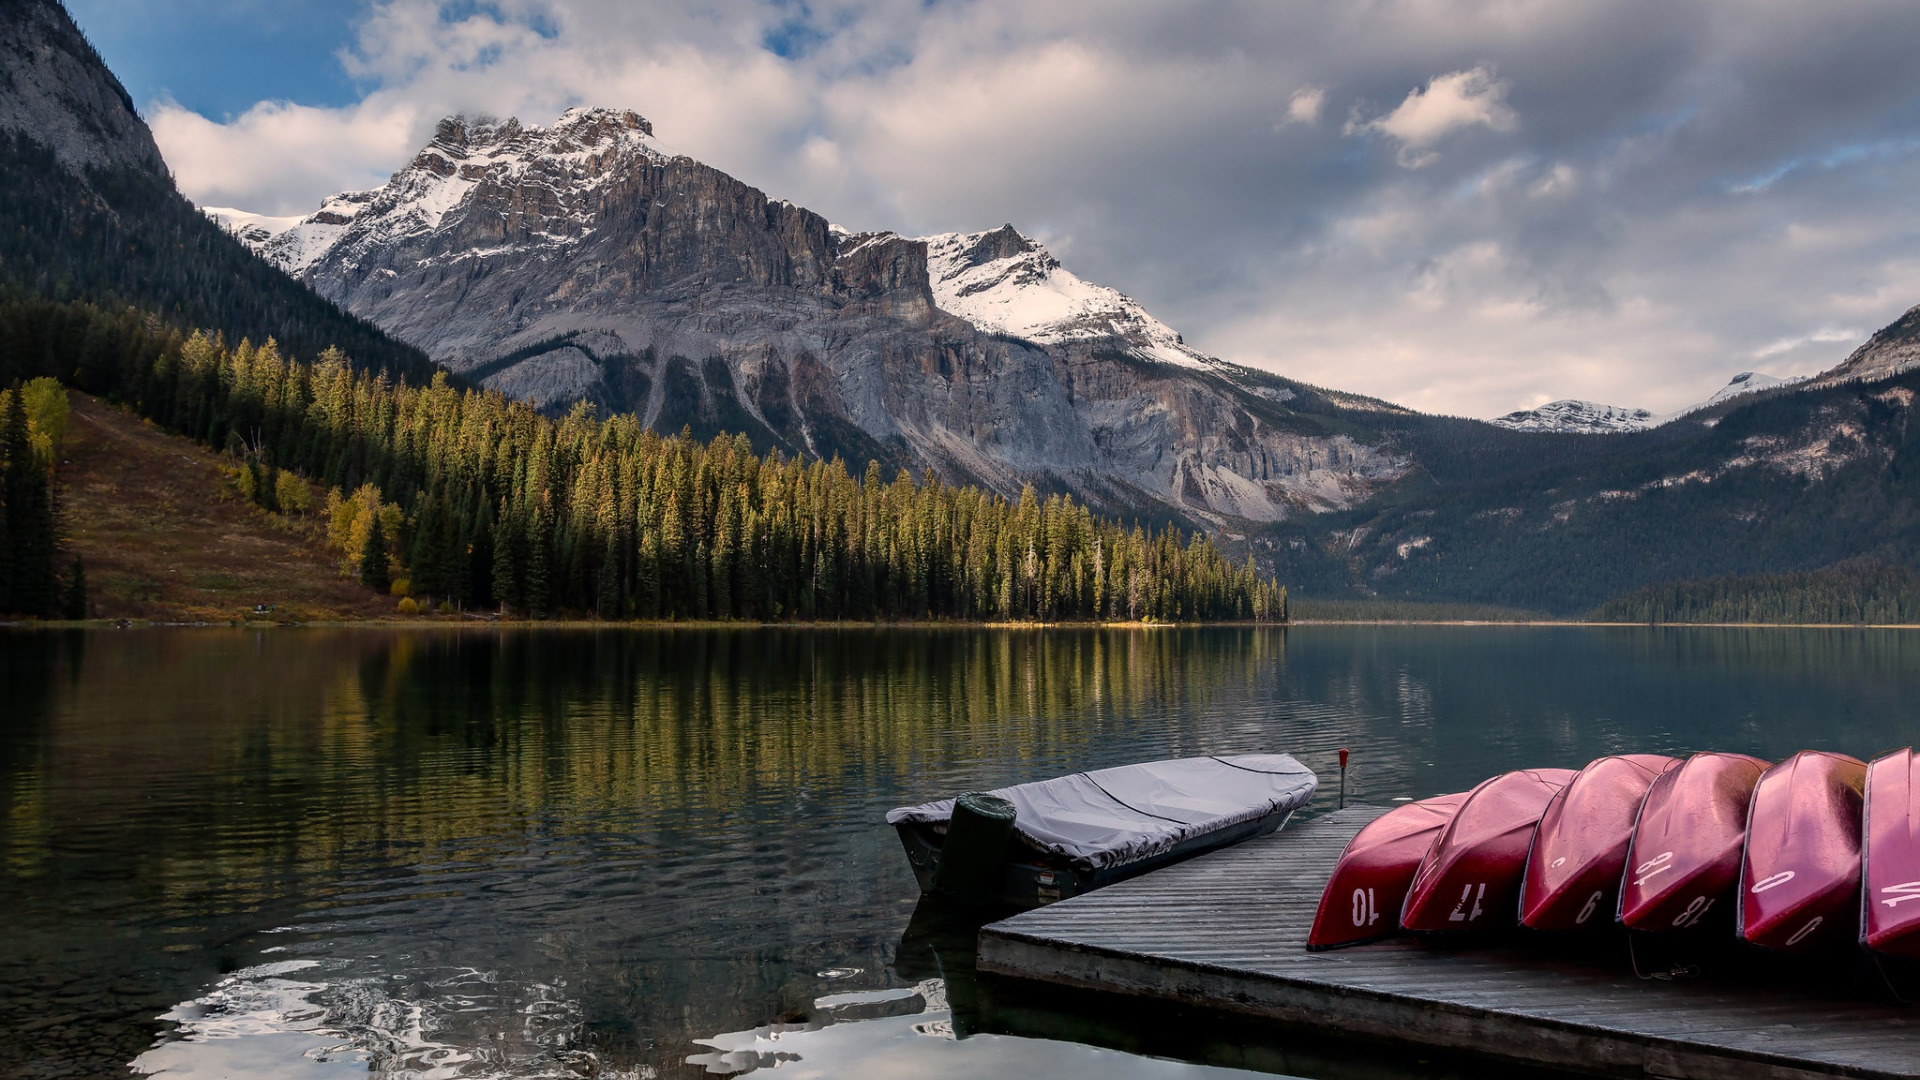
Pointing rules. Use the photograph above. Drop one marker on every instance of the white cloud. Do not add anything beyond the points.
(1448, 103)
(1823, 336)
(280, 158)
(1304, 106)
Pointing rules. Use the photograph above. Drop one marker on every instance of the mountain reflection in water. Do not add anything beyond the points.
(560, 852)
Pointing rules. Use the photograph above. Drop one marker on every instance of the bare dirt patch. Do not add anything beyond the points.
(165, 537)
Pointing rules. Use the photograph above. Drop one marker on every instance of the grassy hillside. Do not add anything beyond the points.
(164, 536)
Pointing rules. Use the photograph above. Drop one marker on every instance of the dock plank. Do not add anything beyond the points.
(1228, 931)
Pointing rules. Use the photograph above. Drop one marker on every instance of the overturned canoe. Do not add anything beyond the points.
(1890, 858)
(1076, 833)
(1470, 877)
(1800, 875)
(1573, 870)
(1362, 899)
(1684, 861)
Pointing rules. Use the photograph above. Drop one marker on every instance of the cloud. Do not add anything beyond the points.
(278, 157)
(1304, 106)
(1614, 246)
(1448, 103)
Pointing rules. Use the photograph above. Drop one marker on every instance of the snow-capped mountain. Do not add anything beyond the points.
(582, 261)
(1004, 283)
(1592, 418)
(253, 230)
(564, 166)
(1581, 417)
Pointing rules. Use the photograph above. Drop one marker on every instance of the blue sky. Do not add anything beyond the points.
(219, 57)
(1463, 206)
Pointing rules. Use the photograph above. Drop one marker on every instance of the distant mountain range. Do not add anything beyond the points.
(1592, 418)
(582, 262)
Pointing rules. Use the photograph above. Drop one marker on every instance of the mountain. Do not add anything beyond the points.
(1004, 283)
(1894, 349)
(582, 261)
(1824, 473)
(1578, 417)
(1591, 418)
(91, 212)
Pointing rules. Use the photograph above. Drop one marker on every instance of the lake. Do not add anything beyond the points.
(660, 853)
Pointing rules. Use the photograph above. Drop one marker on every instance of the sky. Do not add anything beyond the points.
(1466, 208)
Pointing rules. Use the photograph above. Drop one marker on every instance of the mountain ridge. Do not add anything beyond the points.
(1593, 418)
(580, 261)
(92, 213)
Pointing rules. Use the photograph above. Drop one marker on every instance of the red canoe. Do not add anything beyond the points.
(1573, 869)
(1363, 898)
(1890, 865)
(1800, 877)
(1470, 878)
(1685, 857)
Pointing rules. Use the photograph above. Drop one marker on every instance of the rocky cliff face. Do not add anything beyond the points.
(1894, 349)
(582, 261)
(88, 210)
(55, 91)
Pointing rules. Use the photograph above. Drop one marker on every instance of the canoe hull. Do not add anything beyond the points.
(1470, 877)
(1800, 875)
(1362, 899)
(1573, 870)
(1890, 859)
(1684, 861)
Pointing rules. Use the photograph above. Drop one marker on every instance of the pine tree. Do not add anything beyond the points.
(29, 505)
(608, 603)
(508, 560)
(538, 582)
(374, 569)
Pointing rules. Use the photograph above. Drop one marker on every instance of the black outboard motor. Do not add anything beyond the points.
(971, 867)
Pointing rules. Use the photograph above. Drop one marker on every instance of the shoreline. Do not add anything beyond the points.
(481, 623)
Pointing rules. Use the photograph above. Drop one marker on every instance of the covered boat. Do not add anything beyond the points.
(1362, 899)
(1684, 861)
(1076, 833)
(1800, 875)
(1890, 859)
(1470, 877)
(1573, 869)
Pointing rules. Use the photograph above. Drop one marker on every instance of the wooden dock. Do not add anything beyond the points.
(1228, 931)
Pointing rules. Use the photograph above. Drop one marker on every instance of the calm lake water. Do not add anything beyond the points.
(295, 853)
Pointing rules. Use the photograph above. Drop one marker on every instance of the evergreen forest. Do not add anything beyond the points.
(1855, 592)
(482, 502)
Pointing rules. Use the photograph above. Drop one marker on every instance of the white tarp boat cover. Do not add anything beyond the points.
(1111, 817)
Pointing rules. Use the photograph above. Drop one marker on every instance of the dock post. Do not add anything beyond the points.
(1343, 778)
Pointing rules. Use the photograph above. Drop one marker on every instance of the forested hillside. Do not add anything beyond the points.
(1791, 480)
(1857, 592)
(125, 237)
(32, 419)
(483, 501)
(91, 212)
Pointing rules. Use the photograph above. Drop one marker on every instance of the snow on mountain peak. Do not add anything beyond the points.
(251, 229)
(1591, 418)
(583, 150)
(1582, 417)
(1747, 382)
(1005, 283)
